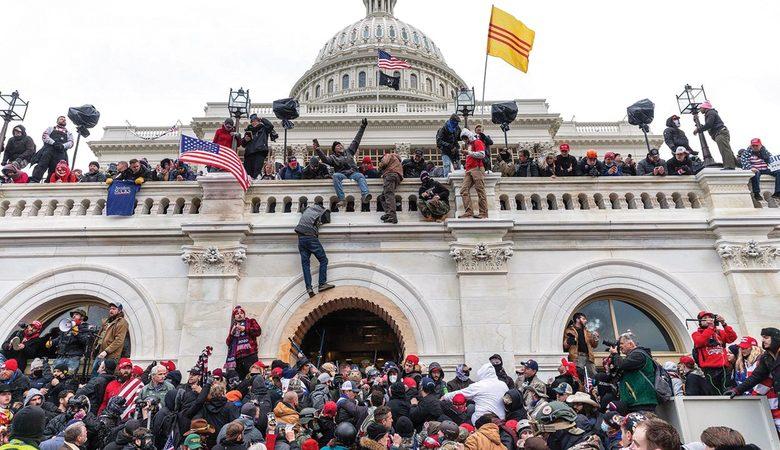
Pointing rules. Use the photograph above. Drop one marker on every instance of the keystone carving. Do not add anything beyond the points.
(748, 256)
(481, 258)
(213, 261)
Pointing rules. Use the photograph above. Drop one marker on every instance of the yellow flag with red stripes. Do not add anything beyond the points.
(509, 39)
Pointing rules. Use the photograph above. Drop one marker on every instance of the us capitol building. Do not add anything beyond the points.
(639, 253)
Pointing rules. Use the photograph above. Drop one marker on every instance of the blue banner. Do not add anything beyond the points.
(121, 198)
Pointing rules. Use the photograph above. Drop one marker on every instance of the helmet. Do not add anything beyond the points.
(79, 402)
(554, 416)
(307, 415)
(345, 433)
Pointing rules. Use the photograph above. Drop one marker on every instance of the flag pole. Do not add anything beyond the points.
(377, 83)
(487, 54)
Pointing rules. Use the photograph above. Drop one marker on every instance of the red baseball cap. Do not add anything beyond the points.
(259, 364)
(747, 342)
(704, 314)
(329, 409)
(277, 372)
(687, 360)
(169, 365)
(468, 427)
(564, 147)
(755, 141)
(413, 359)
(124, 362)
(11, 365)
(137, 371)
(459, 399)
(410, 383)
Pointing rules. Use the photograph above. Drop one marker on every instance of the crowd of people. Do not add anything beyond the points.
(83, 392)
(460, 149)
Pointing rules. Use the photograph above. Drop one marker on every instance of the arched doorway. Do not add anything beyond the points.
(352, 335)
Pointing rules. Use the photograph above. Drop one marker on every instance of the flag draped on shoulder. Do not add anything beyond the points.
(129, 392)
(195, 151)
(509, 39)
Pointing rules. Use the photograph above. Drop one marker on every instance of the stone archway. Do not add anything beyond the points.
(342, 298)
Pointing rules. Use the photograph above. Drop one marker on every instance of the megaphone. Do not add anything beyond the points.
(66, 325)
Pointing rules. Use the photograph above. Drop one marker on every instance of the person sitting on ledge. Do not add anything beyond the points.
(680, 164)
(292, 171)
(433, 202)
(315, 170)
(652, 165)
(343, 163)
(756, 159)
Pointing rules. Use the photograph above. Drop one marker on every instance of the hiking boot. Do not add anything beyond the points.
(390, 220)
(757, 196)
(466, 216)
(776, 195)
(384, 217)
(311, 292)
(365, 198)
(325, 287)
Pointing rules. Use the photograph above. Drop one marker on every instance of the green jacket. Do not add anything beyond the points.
(636, 384)
(16, 444)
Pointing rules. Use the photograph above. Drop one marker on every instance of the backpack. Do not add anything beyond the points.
(662, 382)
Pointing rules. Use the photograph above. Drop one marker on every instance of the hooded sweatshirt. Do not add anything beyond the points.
(441, 386)
(487, 393)
(675, 137)
(63, 174)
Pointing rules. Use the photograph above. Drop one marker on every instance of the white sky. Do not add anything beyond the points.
(153, 62)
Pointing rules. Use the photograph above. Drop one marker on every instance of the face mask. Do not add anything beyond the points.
(393, 378)
(676, 123)
(604, 427)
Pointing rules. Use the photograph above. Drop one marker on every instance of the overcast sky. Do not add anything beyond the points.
(156, 62)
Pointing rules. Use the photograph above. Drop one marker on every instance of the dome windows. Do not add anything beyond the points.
(306, 96)
(362, 79)
(330, 86)
(345, 82)
(366, 32)
(404, 34)
(425, 41)
(343, 39)
(380, 32)
(317, 91)
(416, 38)
(428, 85)
(353, 35)
(391, 32)
(441, 90)
(413, 81)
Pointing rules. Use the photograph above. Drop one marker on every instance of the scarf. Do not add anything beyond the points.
(459, 373)
(452, 126)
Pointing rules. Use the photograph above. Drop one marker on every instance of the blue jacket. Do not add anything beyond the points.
(288, 173)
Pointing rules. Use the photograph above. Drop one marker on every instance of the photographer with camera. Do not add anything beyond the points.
(255, 143)
(24, 343)
(709, 350)
(78, 409)
(72, 344)
(635, 371)
(111, 337)
(581, 343)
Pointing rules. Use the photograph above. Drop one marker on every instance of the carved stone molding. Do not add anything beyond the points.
(402, 149)
(748, 257)
(481, 258)
(537, 149)
(299, 151)
(213, 261)
(277, 152)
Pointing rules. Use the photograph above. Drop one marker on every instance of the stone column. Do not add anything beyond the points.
(214, 260)
(491, 180)
(480, 256)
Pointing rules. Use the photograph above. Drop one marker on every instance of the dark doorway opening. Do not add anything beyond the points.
(351, 335)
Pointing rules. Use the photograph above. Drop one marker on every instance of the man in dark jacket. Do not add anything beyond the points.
(17, 382)
(590, 166)
(61, 382)
(255, 143)
(19, 148)
(636, 367)
(95, 389)
(56, 142)
(756, 159)
(680, 163)
(433, 202)
(447, 140)
(399, 404)
(309, 244)
(392, 175)
(526, 167)
(94, 175)
(694, 383)
(344, 166)
(414, 166)
(652, 165)
(428, 407)
(565, 164)
(217, 411)
(315, 170)
(675, 137)
(461, 380)
(498, 365)
(291, 171)
(24, 344)
(436, 373)
(719, 133)
(488, 142)
(767, 366)
(136, 172)
(72, 344)
(348, 409)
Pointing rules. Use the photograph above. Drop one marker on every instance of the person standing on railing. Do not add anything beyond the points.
(652, 165)
(756, 159)
(566, 164)
(474, 152)
(488, 142)
(19, 148)
(56, 142)
(225, 136)
(675, 137)
(392, 175)
(719, 133)
(447, 141)
(344, 166)
(255, 143)
(709, 347)
(680, 164)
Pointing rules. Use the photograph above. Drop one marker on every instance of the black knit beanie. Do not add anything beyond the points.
(375, 431)
(27, 425)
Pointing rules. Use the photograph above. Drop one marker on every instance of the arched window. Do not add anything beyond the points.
(441, 90)
(396, 73)
(380, 31)
(345, 82)
(330, 86)
(404, 34)
(391, 32)
(413, 81)
(343, 39)
(366, 32)
(362, 79)
(428, 85)
(452, 94)
(416, 38)
(425, 41)
(611, 316)
(317, 91)
(306, 96)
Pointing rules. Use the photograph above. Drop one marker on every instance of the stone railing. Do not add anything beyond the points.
(507, 197)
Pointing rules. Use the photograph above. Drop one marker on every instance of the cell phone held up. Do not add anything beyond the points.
(271, 420)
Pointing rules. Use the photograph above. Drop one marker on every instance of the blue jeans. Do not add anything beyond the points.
(308, 245)
(755, 182)
(446, 162)
(338, 179)
(72, 362)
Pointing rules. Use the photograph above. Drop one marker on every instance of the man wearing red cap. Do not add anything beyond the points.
(16, 381)
(411, 366)
(757, 160)
(694, 383)
(719, 133)
(24, 344)
(709, 346)
(565, 164)
(123, 384)
(242, 342)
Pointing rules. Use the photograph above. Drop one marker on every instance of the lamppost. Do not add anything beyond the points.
(238, 106)
(688, 102)
(12, 108)
(465, 104)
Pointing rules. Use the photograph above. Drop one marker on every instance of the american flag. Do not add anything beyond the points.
(195, 151)
(130, 391)
(386, 61)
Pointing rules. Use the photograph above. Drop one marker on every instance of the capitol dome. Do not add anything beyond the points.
(346, 67)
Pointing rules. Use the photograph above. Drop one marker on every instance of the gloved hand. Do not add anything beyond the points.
(109, 181)
(364, 122)
(139, 181)
(570, 339)
(58, 146)
(732, 393)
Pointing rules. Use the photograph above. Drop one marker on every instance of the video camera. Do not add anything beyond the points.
(610, 344)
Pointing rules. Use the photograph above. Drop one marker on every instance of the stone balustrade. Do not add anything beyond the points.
(507, 197)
